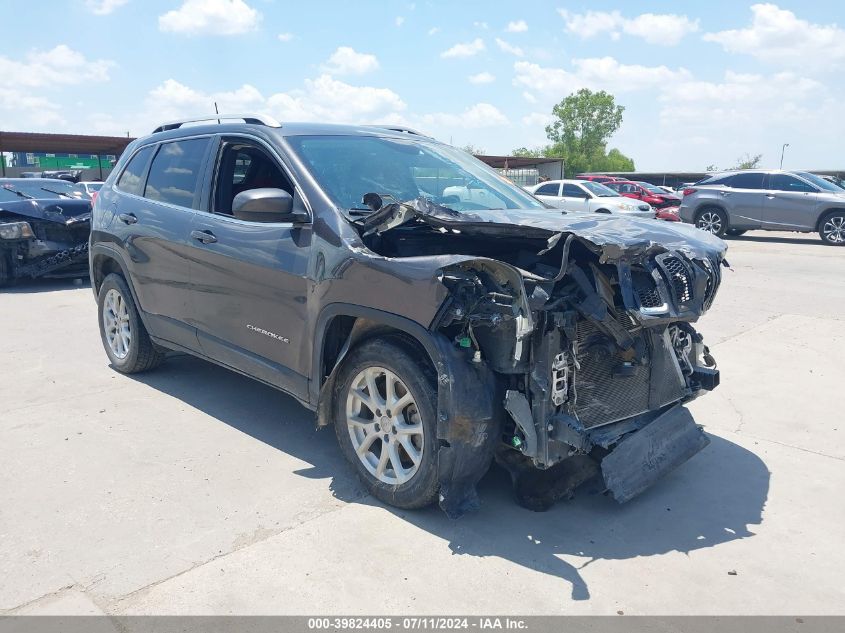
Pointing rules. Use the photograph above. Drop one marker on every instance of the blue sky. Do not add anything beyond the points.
(702, 83)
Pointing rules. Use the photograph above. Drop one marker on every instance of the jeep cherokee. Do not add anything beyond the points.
(435, 333)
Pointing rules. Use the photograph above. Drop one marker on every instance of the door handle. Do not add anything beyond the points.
(127, 218)
(724, 193)
(206, 237)
(770, 196)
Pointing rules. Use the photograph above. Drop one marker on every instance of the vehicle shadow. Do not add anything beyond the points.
(774, 239)
(30, 286)
(712, 499)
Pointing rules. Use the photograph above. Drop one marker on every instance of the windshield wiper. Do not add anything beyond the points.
(58, 193)
(18, 193)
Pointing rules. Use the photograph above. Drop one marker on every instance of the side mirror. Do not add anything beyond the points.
(266, 205)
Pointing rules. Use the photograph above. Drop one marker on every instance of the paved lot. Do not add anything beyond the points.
(194, 490)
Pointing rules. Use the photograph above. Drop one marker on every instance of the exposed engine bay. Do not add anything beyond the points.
(587, 332)
(44, 238)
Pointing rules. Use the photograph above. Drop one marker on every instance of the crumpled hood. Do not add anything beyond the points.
(62, 211)
(613, 236)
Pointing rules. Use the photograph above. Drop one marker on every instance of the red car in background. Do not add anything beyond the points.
(652, 194)
(599, 179)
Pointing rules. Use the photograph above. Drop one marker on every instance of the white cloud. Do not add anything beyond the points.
(27, 112)
(530, 98)
(595, 73)
(481, 25)
(285, 37)
(509, 48)
(399, 21)
(478, 116)
(59, 65)
(779, 36)
(103, 7)
(482, 78)
(347, 61)
(537, 119)
(210, 17)
(655, 28)
(434, 30)
(467, 49)
(518, 26)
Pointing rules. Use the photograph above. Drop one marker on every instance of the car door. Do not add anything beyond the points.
(249, 279)
(550, 193)
(576, 198)
(152, 216)
(742, 196)
(789, 203)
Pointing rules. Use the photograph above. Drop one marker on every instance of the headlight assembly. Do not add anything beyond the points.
(15, 230)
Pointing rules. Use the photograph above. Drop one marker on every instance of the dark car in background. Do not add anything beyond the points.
(652, 194)
(770, 200)
(44, 229)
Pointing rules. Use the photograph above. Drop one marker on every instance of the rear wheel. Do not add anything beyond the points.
(124, 336)
(712, 220)
(385, 411)
(832, 228)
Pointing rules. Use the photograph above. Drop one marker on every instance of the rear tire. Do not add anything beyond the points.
(602, 211)
(393, 451)
(832, 228)
(735, 232)
(713, 220)
(122, 332)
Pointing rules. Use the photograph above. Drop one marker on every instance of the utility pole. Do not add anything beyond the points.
(782, 150)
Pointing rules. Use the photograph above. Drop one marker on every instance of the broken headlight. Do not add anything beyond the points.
(15, 231)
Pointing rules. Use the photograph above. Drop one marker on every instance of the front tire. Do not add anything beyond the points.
(735, 232)
(124, 336)
(832, 228)
(385, 421)
(713, 220)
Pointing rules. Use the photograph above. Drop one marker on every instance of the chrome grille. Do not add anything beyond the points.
(679, 278)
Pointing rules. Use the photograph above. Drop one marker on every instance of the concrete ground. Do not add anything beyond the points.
(194, 490)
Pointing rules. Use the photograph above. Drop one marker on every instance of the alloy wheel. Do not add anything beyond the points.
(116, 324)
(833, 229)
(711, 222)
(384, 425)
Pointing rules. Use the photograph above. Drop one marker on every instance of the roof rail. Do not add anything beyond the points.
(399, 128)
(253, 119)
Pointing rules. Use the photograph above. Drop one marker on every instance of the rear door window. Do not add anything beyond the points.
(752, 180)
(131, 180)
(547, 190)
(175, 174)
(573, 191)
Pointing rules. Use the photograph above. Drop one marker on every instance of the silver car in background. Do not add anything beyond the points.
(770, 200)
(588, 197)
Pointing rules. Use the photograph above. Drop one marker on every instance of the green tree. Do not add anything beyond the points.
(584, 123)
(473, 149)
(747, 161)
(711, 167)
(524, 152)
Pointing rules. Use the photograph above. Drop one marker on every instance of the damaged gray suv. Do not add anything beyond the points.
(435, 334)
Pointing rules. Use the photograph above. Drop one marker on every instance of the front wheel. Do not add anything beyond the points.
(712, 220)
(832, 228)
(124, 336)
(384, 409)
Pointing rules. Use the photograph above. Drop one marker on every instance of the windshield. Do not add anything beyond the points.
(598, 189)
(652, 188)
(39, 188)
(821, 183)
(347, 167)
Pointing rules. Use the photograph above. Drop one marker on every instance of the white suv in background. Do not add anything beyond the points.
(589, 197)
